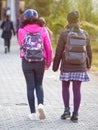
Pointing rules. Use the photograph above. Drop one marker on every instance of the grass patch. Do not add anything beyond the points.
(94, 45)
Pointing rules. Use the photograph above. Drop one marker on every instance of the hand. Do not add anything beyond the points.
(46, 68)
(52, 59)
(88, 69)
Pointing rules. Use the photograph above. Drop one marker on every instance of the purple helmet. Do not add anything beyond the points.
(30, 13)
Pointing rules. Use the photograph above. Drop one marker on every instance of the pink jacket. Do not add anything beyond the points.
(32, 28)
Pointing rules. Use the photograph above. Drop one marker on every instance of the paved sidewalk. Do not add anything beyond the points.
(14, 108)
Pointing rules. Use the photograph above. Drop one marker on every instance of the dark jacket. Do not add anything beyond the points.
(7, 34)
(60, 56)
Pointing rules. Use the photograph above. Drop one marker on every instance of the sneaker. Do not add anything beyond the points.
(41, 112)
(8, 50)
(74, 117)
(66, 113)
(33, 116)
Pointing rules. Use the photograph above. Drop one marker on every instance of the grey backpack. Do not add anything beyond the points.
(75, 48)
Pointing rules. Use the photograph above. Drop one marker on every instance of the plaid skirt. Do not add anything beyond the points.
(80, 76)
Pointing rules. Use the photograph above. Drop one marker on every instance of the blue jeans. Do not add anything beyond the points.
(34, 73)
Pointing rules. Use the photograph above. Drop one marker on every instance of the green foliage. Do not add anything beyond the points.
(29, 4)
(92, 29)
(95, 18)
(95, 55)
(43, 7)
(85, 8)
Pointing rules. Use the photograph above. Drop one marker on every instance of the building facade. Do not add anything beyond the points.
(13, 8)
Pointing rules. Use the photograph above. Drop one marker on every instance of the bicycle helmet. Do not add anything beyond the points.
(30, 13)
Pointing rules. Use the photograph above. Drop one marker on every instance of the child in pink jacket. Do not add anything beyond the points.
(34, 71)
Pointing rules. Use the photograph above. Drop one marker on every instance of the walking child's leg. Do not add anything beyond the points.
(77, 95)
(77, 99)
(39, 73)
(8, 44)
(65, 92)
(5, 45)
(30, 83)
(29, 76)
(66, 98)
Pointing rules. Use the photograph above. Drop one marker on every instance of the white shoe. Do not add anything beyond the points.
(41, 112)
(33, 116)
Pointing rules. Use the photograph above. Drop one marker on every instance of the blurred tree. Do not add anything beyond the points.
(29, 4)
(43, 7)
(85, 8)
(60, 8)
(55, 12)
(95, 18)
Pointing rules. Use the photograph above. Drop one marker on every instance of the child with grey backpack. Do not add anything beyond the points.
(74, 52)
